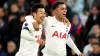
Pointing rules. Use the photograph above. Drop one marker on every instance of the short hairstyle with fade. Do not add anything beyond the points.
(36, 6)
(56, 4)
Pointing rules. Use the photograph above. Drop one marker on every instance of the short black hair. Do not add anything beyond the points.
(36, 6)
(56, 4)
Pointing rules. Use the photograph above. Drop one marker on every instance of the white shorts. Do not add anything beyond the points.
(27, 54)
(52, 55)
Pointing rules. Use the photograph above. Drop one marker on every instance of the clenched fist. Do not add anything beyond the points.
(40, 41)
(81, 54)
(66, 21)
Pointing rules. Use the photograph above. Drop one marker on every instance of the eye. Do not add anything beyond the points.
(62, 9)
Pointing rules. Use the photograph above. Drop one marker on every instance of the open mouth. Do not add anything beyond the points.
(42, 19)
(64, 14)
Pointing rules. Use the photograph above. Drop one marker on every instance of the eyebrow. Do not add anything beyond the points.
(41, 11)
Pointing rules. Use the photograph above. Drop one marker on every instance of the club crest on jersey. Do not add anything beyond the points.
(26, 24)
(59, 35)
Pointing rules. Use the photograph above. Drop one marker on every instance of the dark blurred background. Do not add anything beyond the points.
(84, 16)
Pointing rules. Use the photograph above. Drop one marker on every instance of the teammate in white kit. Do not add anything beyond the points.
(56, 31)
(31, 32)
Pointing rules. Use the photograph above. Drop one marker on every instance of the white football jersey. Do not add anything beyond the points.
(56, 34)
(56, 37)
(28, 45)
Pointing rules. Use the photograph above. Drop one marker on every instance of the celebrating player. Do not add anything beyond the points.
(31, 32)
(56, 30)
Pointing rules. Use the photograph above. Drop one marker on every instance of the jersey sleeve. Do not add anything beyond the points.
(26, 35)
(71, 44)
(26, 30)
(28, 26)
(68, 27)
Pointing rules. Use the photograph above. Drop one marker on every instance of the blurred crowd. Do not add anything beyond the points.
(84, 16)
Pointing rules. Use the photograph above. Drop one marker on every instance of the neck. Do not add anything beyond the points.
(59, 19)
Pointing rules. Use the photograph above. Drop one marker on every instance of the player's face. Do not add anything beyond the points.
(61, 11)
(40, 15)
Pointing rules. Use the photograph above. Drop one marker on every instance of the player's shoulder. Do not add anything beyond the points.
(48, 18)
(27, 23)
(29, 18)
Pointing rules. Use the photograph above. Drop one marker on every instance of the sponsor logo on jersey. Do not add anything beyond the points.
(59, 35)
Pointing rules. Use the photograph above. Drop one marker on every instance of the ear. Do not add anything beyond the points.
(34, 14)
(55, 11)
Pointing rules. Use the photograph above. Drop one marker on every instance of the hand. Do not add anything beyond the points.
(73, 53)
(81, 54)
(36, 26)
(66, 21)
(40, 41)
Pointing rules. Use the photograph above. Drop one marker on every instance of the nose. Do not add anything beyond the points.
(65, 10)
